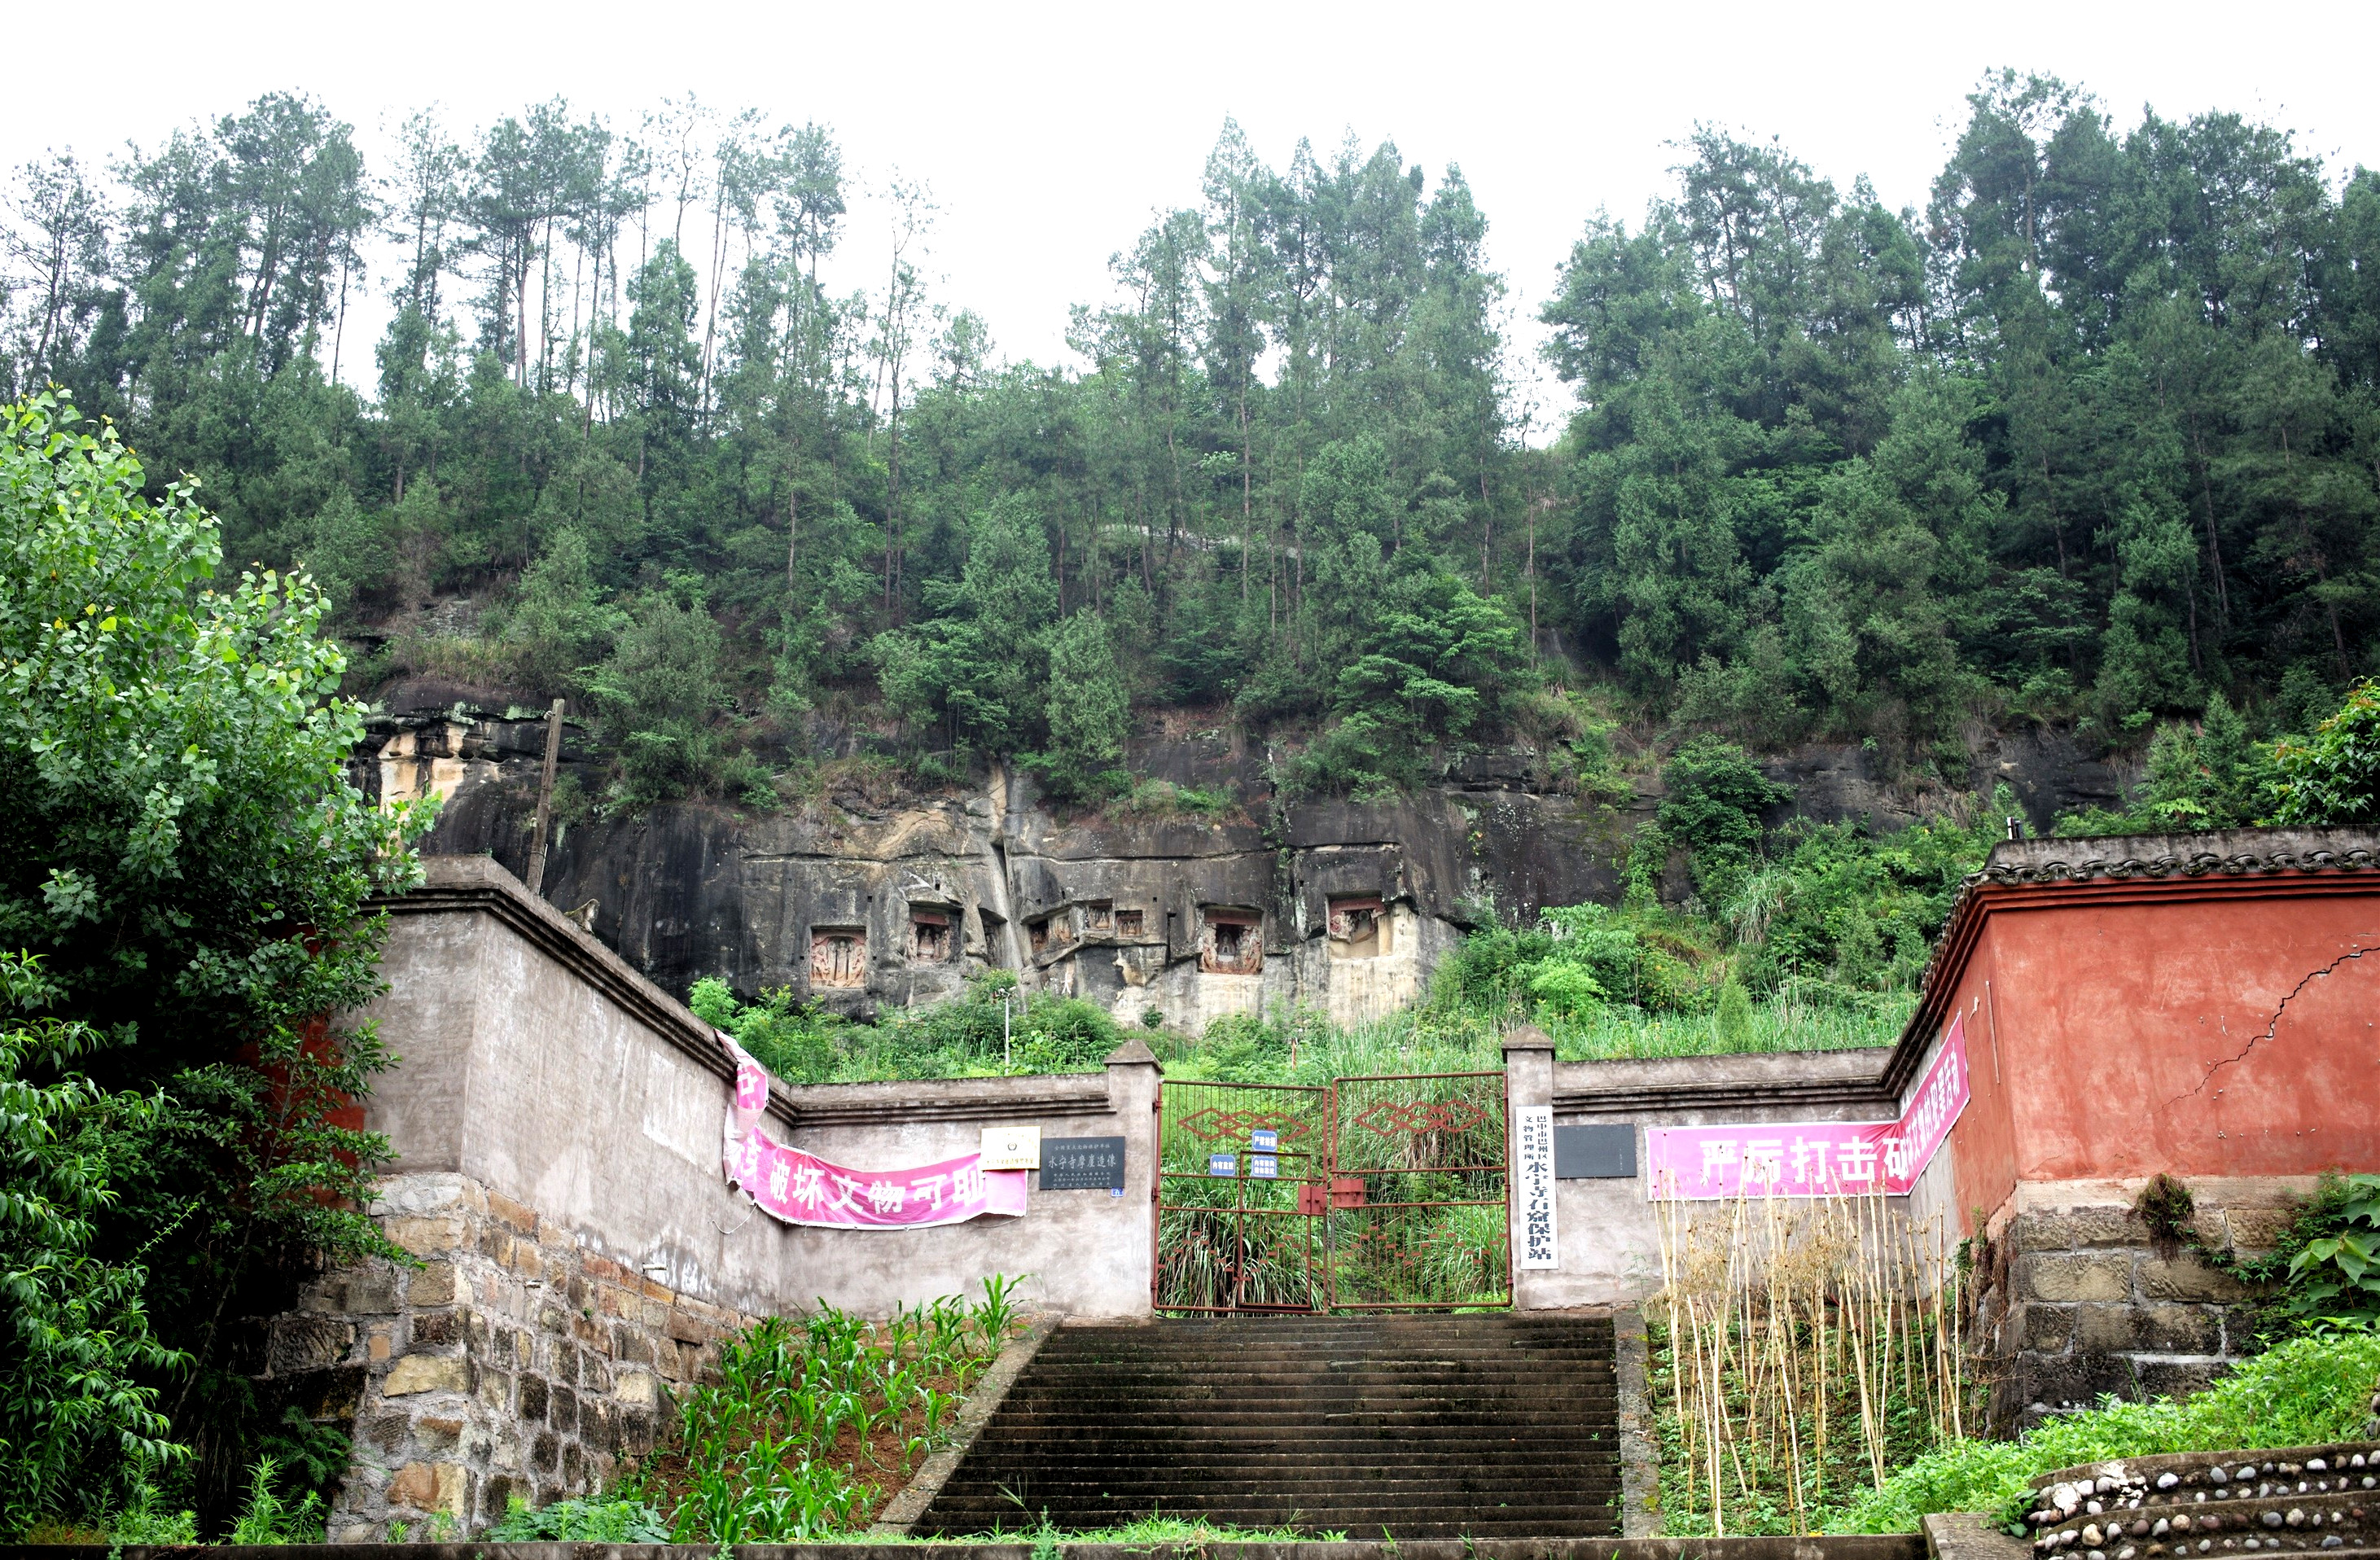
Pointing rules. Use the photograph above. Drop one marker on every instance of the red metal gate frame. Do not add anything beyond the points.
(1318, 1195)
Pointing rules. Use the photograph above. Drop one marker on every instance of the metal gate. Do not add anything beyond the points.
(1383, 1194)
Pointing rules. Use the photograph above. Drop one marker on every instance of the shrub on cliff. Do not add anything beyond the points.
(182, 853)
(2332, 779)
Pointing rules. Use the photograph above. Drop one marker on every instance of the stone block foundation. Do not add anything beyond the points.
(2080, 1304)
(505, 1358)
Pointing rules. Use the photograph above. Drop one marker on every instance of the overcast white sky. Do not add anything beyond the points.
(1050, 132)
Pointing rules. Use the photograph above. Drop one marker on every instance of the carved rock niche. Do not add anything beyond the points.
(1359, 928)
(838, 957)
(931, 941)
(1230, 942)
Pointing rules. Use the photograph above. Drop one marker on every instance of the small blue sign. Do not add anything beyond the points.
(1263, 1167)
(1223, 1165)
(1264, 1140)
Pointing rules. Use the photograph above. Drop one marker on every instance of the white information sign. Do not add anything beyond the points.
(1011, 1148)
(1534, 1132)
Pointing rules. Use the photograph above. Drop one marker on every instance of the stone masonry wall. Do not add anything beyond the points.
(505, 1361)
(2078, 1303)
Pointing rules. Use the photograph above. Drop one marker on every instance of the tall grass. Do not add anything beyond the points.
(1790, 1021)
(1301, 1047)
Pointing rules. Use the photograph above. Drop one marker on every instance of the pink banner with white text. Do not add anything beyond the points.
(1814, 1158)
(800, 1188)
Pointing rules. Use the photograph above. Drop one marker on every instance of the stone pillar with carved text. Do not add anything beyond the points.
(1528, 1085)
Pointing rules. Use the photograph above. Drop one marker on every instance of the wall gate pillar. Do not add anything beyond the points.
(1528, 1081)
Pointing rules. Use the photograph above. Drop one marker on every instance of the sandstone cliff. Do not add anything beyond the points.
(865, 898)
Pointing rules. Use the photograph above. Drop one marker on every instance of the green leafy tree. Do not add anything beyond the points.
(975, 667)
(2332, 779)
(1089, 713)
(76, 1354)
(183, 853)
(560, 623)
(345, 553)
(1715, 794)
(659, 697)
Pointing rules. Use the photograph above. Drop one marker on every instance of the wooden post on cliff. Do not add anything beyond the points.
(545, 798)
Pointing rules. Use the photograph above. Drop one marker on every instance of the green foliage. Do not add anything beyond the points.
(658, 694)
(342, 549)
(145, 1518)
(1716, 795)
(269, 1518)
(2332, 779)
(582, 1520)
(2304, 1392)
(959, 1039)
(974, 670)
(183, 855)
(1857, 909)
(2083, 441)
(2325, 1270)
(795, 1041)
(1819, 945)
(760, 1457)
(75, 1337)
(560, 624)
(1157, 798)
(1089, 714)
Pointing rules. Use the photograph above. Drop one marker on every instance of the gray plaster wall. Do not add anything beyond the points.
(535, 1062)
(1607, 1229)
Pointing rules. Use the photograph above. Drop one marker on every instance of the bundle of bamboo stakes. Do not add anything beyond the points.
(1812, 1341)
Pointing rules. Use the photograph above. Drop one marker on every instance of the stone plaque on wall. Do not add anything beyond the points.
(1598, 1153)
(1082, 1165)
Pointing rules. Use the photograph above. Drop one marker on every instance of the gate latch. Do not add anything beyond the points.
(1346, 1192)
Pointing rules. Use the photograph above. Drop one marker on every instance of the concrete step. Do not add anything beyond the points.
(1227, 1461)
(1074, 1486)
(1418, 1427)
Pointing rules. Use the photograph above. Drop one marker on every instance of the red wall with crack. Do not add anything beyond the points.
(2215, 1026)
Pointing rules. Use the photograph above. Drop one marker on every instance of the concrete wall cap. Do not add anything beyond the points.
(1527, 1037)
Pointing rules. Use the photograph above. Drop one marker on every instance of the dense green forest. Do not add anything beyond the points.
(2091, 439)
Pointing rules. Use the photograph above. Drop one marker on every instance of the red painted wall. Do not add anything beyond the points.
(2121, 1029)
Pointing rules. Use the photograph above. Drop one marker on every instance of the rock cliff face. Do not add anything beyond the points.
(868, 902)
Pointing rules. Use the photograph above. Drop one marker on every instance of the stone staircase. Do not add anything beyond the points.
(2316, 1500)
(1410, 1427)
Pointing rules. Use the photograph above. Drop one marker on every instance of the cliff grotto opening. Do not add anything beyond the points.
(1359, 928)
(930, 936)
(838, 957)
(1230, 944)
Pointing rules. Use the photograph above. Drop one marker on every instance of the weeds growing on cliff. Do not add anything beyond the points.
(977, 1037)
(814, 1422)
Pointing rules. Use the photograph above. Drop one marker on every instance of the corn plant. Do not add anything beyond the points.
(773, 1451)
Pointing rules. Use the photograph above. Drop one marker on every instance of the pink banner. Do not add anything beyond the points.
(1815, 1158)
(800, 1188)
